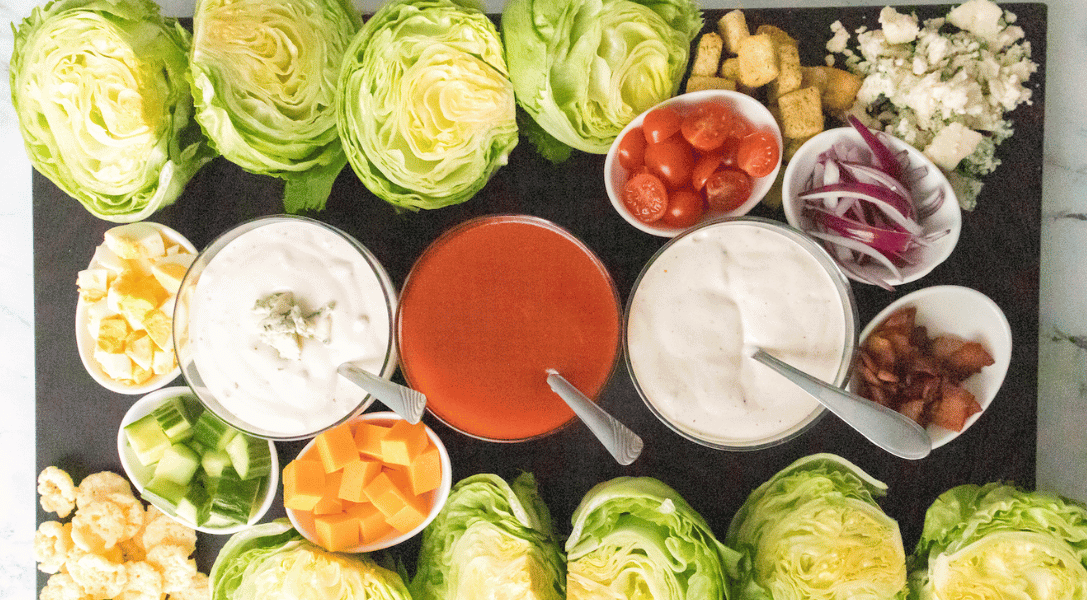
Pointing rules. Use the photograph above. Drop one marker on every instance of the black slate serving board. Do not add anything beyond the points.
(998, 254)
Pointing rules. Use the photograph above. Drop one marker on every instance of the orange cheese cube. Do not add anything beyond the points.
(336, 447)
(425, 472)
(413, 513)
(372, 525)
(403, 442)
(303, 484)
(337, 532)
(355, 477)
(368, 438)
(330, 502)
(386, 495)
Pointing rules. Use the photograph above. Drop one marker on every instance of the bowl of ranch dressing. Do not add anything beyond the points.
(266, 314)
(706, 300)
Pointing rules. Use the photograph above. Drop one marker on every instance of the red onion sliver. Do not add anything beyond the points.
(886, 159)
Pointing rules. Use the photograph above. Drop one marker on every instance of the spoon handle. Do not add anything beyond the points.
(404, 401)
(886, 428)
(621, 442)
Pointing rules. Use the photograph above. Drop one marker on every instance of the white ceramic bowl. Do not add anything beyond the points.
(615, 176)
(970, 315)
(85, 343)
(437, 496)
(948, 217)
(138, 474)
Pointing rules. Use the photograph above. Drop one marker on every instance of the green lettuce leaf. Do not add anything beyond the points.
(638, 539)
(104, 108)
(814, 531)
(490, 540)
(583, 69)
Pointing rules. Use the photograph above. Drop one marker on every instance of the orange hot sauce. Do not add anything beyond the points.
(489, 307)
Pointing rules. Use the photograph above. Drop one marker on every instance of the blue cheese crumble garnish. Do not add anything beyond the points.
(285, 327)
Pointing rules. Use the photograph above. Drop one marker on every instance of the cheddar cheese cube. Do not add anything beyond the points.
(337, 532)
(368, 438)
(330, 502)
(403, 442)
(336, 447)
(425, 472)
(356, 475)
(303, 484)
(372, 525)
(413, 512)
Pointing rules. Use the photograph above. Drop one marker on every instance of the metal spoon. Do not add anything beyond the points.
(621, 442)
(404, 401)
(892, 431)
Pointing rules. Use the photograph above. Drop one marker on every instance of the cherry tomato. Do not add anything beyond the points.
(727, 189)
(645, 197)
(671, 161)
(704, 167)
(660, 124)
(631, 150)
(684, 208)
(707, 126)
(758, 154)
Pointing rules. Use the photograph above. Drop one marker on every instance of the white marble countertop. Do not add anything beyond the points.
(1062, 394)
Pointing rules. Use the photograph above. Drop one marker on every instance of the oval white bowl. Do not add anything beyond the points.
(438, 496)
(970, 315)
(949, 216)
(615, 176)
(137, 473)
(85, 343)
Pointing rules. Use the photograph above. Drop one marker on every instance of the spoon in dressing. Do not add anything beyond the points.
(620, 441)
(403, 400)
(886, 428)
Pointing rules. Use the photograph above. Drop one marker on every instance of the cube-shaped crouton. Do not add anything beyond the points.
(758, 60)
(801, 113)
(707, 56)
(789, 77)
(837, 88)
(777, 34)
(730, 69)
(696, 83)
(733, 29)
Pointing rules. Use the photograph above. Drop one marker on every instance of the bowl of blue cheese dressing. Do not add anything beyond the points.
(706, 300)
(267, 313)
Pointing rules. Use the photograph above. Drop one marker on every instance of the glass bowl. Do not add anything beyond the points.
(250, 383)
(702, 305)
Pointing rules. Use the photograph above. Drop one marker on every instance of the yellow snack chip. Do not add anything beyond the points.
(159, 328)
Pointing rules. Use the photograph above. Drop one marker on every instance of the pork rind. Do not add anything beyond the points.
(57, 491)
(52, 545)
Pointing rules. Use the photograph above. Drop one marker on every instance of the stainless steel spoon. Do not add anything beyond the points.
(892, 431)
(621, 442)
(404, 401)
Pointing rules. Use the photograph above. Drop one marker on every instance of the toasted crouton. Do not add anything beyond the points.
(730, 69)
(801, 113)
(733, 29)
(707, 56)
(758, 62)
(789, 75)
(837, 88)
(698, 82)
(777, 34)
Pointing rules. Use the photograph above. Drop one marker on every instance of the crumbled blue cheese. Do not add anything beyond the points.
(285, 327)
(917, 83)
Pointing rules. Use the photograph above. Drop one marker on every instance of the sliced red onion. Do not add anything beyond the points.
(886, 200)
(891, 242)
(886, 159)
(864, 249)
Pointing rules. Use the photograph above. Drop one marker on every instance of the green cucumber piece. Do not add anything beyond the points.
(212, 432)
(165, 493)
(195, 504)
(175, 419)
(234, 498)
(147, 440)
(178, 464)
(249, 456)
(214, 461)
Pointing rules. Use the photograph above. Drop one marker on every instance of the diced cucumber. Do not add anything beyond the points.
(212, 432)
(249, 455)
(165, 493)
(195, 504)
(234, 498)
(147, 440)
(178, 464)
(175, 419)
(214, 461)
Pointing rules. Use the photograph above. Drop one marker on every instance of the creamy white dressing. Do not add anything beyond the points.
(246, 375)
(703, 306)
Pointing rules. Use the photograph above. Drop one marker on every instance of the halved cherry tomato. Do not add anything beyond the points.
(758, 154)
(704, 167)
(631, 150)
(671, 161)
(684, 208)
(645, 197)
(707, 126)
(660, 124)
(727, 189)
